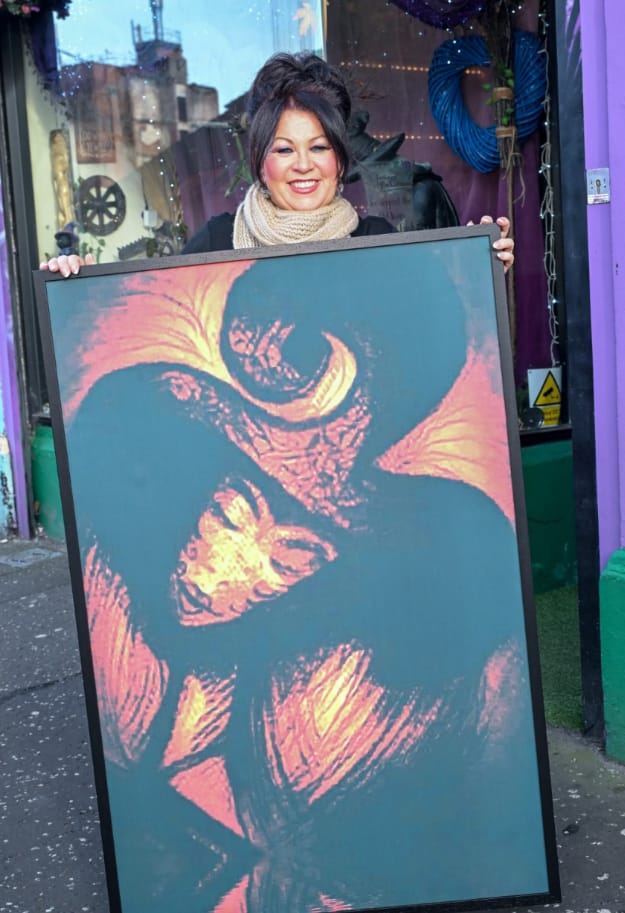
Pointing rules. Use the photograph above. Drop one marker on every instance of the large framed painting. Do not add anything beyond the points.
(294, 514)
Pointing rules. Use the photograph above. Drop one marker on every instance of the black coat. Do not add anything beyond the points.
(216, 234)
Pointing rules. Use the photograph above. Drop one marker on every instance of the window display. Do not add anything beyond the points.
(144, 120)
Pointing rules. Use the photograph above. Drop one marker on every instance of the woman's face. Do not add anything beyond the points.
(300, 169)
(239, 556)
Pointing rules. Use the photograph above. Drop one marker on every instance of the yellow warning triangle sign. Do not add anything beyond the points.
(549, 393)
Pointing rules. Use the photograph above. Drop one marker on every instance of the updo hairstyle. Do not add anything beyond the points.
(302, 81)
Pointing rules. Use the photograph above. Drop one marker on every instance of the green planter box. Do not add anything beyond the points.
(550, 502)
(45, 478)
(612, 602)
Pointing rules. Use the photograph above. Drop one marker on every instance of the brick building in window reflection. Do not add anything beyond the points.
(147, 106)
(125, 122)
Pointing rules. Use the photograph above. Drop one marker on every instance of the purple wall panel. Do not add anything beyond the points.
(616, 141)
(599, 56)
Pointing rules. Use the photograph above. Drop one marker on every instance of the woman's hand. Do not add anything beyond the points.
(67, 265)
(505, 245)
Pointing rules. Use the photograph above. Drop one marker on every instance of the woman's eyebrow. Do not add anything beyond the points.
(286, 139)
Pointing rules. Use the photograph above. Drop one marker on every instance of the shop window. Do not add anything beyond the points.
(139, 138)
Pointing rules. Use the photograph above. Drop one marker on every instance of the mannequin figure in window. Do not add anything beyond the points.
(413, 187)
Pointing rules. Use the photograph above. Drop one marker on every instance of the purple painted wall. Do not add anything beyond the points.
(603, 64)
(13, 497)
(616, 141)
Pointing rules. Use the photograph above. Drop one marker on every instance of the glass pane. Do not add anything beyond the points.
(143, 125)
(141, 138)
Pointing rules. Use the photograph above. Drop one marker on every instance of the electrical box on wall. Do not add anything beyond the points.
(598, 185)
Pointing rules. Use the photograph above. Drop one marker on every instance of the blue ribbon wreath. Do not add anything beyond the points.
(475, 144)
(442, 14)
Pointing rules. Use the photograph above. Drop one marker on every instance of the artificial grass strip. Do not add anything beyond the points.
(558, 642)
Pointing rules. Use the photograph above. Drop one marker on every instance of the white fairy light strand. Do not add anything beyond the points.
(547, 213)
(169, 186)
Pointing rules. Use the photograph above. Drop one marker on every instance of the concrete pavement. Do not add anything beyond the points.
(51, 860)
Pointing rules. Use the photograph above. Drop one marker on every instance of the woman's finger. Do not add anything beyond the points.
(505, 252)
(60, 265)
(504, 225)
(67, 265)
(504, 246)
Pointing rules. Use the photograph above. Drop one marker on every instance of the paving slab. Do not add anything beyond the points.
(51, 852)
(589, 810)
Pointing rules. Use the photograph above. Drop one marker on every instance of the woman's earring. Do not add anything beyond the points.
(265, 191)
(339, 188)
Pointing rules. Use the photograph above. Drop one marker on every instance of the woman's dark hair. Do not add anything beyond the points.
(302, 81)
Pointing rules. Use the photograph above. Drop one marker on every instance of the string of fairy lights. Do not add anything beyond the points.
(547, 210)
(165, 173)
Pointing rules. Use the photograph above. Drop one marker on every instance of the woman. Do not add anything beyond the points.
(298, 111)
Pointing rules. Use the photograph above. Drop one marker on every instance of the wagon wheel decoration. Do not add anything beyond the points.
(102, 204)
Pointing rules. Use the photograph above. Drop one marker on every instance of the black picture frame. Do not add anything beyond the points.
(380, 369)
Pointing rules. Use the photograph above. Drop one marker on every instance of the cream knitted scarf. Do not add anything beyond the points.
(258, 222)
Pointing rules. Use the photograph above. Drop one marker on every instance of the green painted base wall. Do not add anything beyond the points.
(550, 502)
(46, 493)
(612, 605)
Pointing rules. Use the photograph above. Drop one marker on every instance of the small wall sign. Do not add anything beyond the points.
(545, 386)
(598, 185)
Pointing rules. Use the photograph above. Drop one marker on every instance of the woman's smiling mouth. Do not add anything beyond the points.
(306, 186)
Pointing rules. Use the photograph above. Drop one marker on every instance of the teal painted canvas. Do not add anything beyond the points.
(301, 578)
